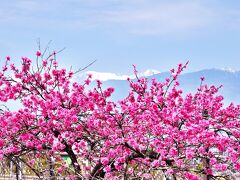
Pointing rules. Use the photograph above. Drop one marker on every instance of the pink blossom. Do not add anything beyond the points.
(155, 126)
(38, 53)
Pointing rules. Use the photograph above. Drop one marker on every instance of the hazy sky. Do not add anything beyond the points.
(153, 34)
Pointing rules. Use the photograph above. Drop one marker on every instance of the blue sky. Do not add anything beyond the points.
(153, 34)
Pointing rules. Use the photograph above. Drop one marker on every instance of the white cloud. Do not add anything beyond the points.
(228, 69)
(162, 18)
(105, 76)
(149, 72)
(133, 16)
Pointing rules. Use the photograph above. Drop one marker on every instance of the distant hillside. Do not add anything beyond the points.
(190, 82)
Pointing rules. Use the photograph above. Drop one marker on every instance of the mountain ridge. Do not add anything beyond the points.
(189, 82)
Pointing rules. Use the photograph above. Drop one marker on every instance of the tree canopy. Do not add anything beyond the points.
(155, 130)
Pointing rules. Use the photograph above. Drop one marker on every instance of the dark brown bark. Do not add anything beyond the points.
(97, 171)
(51, 169)
(72, 156)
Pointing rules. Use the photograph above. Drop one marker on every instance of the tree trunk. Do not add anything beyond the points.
(73, 157)
(51, 169)
(206, 165)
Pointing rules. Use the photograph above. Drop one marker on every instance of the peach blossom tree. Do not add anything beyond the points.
(154, 130)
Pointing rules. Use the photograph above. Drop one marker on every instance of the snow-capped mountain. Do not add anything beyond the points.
(189, 82)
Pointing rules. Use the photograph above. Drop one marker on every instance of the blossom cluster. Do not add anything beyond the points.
(154, 129)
